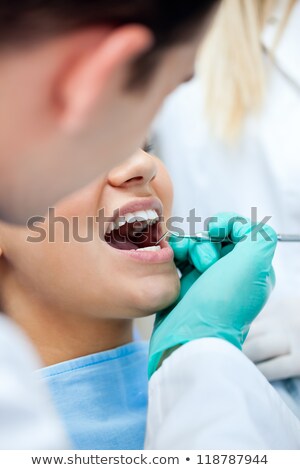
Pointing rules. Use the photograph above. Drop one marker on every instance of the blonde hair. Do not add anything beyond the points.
(231, 64)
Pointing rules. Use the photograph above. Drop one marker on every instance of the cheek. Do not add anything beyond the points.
(45, 269)
(62, 275)
(78, 276)
(163, 187)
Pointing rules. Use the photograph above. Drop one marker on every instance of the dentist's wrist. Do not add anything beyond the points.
(231, 335)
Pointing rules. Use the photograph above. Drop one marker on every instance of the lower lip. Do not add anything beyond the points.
(164, 255)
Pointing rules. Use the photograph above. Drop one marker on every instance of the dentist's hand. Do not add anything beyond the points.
(224, 300)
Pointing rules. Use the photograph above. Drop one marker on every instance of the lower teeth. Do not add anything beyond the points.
(150, 248)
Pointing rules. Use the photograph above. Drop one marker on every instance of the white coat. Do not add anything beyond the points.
(28, 419)
(208, 395)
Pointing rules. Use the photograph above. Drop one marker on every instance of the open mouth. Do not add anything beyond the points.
(137, 231)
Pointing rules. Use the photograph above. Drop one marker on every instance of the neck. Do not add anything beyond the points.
(60, 336)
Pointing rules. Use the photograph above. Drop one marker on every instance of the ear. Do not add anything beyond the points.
(87, 80)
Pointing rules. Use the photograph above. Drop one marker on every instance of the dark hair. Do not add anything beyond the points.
(171, 21)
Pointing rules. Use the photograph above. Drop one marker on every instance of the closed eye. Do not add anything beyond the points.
(148, 146)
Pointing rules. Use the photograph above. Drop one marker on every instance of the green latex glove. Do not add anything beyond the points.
(236, 281)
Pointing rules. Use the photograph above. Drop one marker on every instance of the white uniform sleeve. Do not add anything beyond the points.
(208, 395)
(28, 420)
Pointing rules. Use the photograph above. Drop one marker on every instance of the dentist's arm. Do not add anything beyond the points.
(203, 392)
(209, 395)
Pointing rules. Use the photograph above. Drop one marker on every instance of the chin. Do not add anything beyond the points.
(156, 294)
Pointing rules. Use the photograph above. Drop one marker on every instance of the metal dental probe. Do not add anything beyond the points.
(205, 237)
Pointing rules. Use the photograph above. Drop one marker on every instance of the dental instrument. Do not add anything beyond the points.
(205, 237)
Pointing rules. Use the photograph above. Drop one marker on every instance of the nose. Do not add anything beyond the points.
(138, 170)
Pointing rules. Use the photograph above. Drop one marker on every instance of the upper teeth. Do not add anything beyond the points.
(149, 217)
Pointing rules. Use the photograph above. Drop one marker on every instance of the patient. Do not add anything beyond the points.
(77, 300)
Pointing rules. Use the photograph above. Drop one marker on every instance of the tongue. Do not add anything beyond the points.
(130, 237)
(120, 242)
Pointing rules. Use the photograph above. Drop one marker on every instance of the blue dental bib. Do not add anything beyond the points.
(102, 398)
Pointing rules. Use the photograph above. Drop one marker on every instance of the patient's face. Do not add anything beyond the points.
(109, 268)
